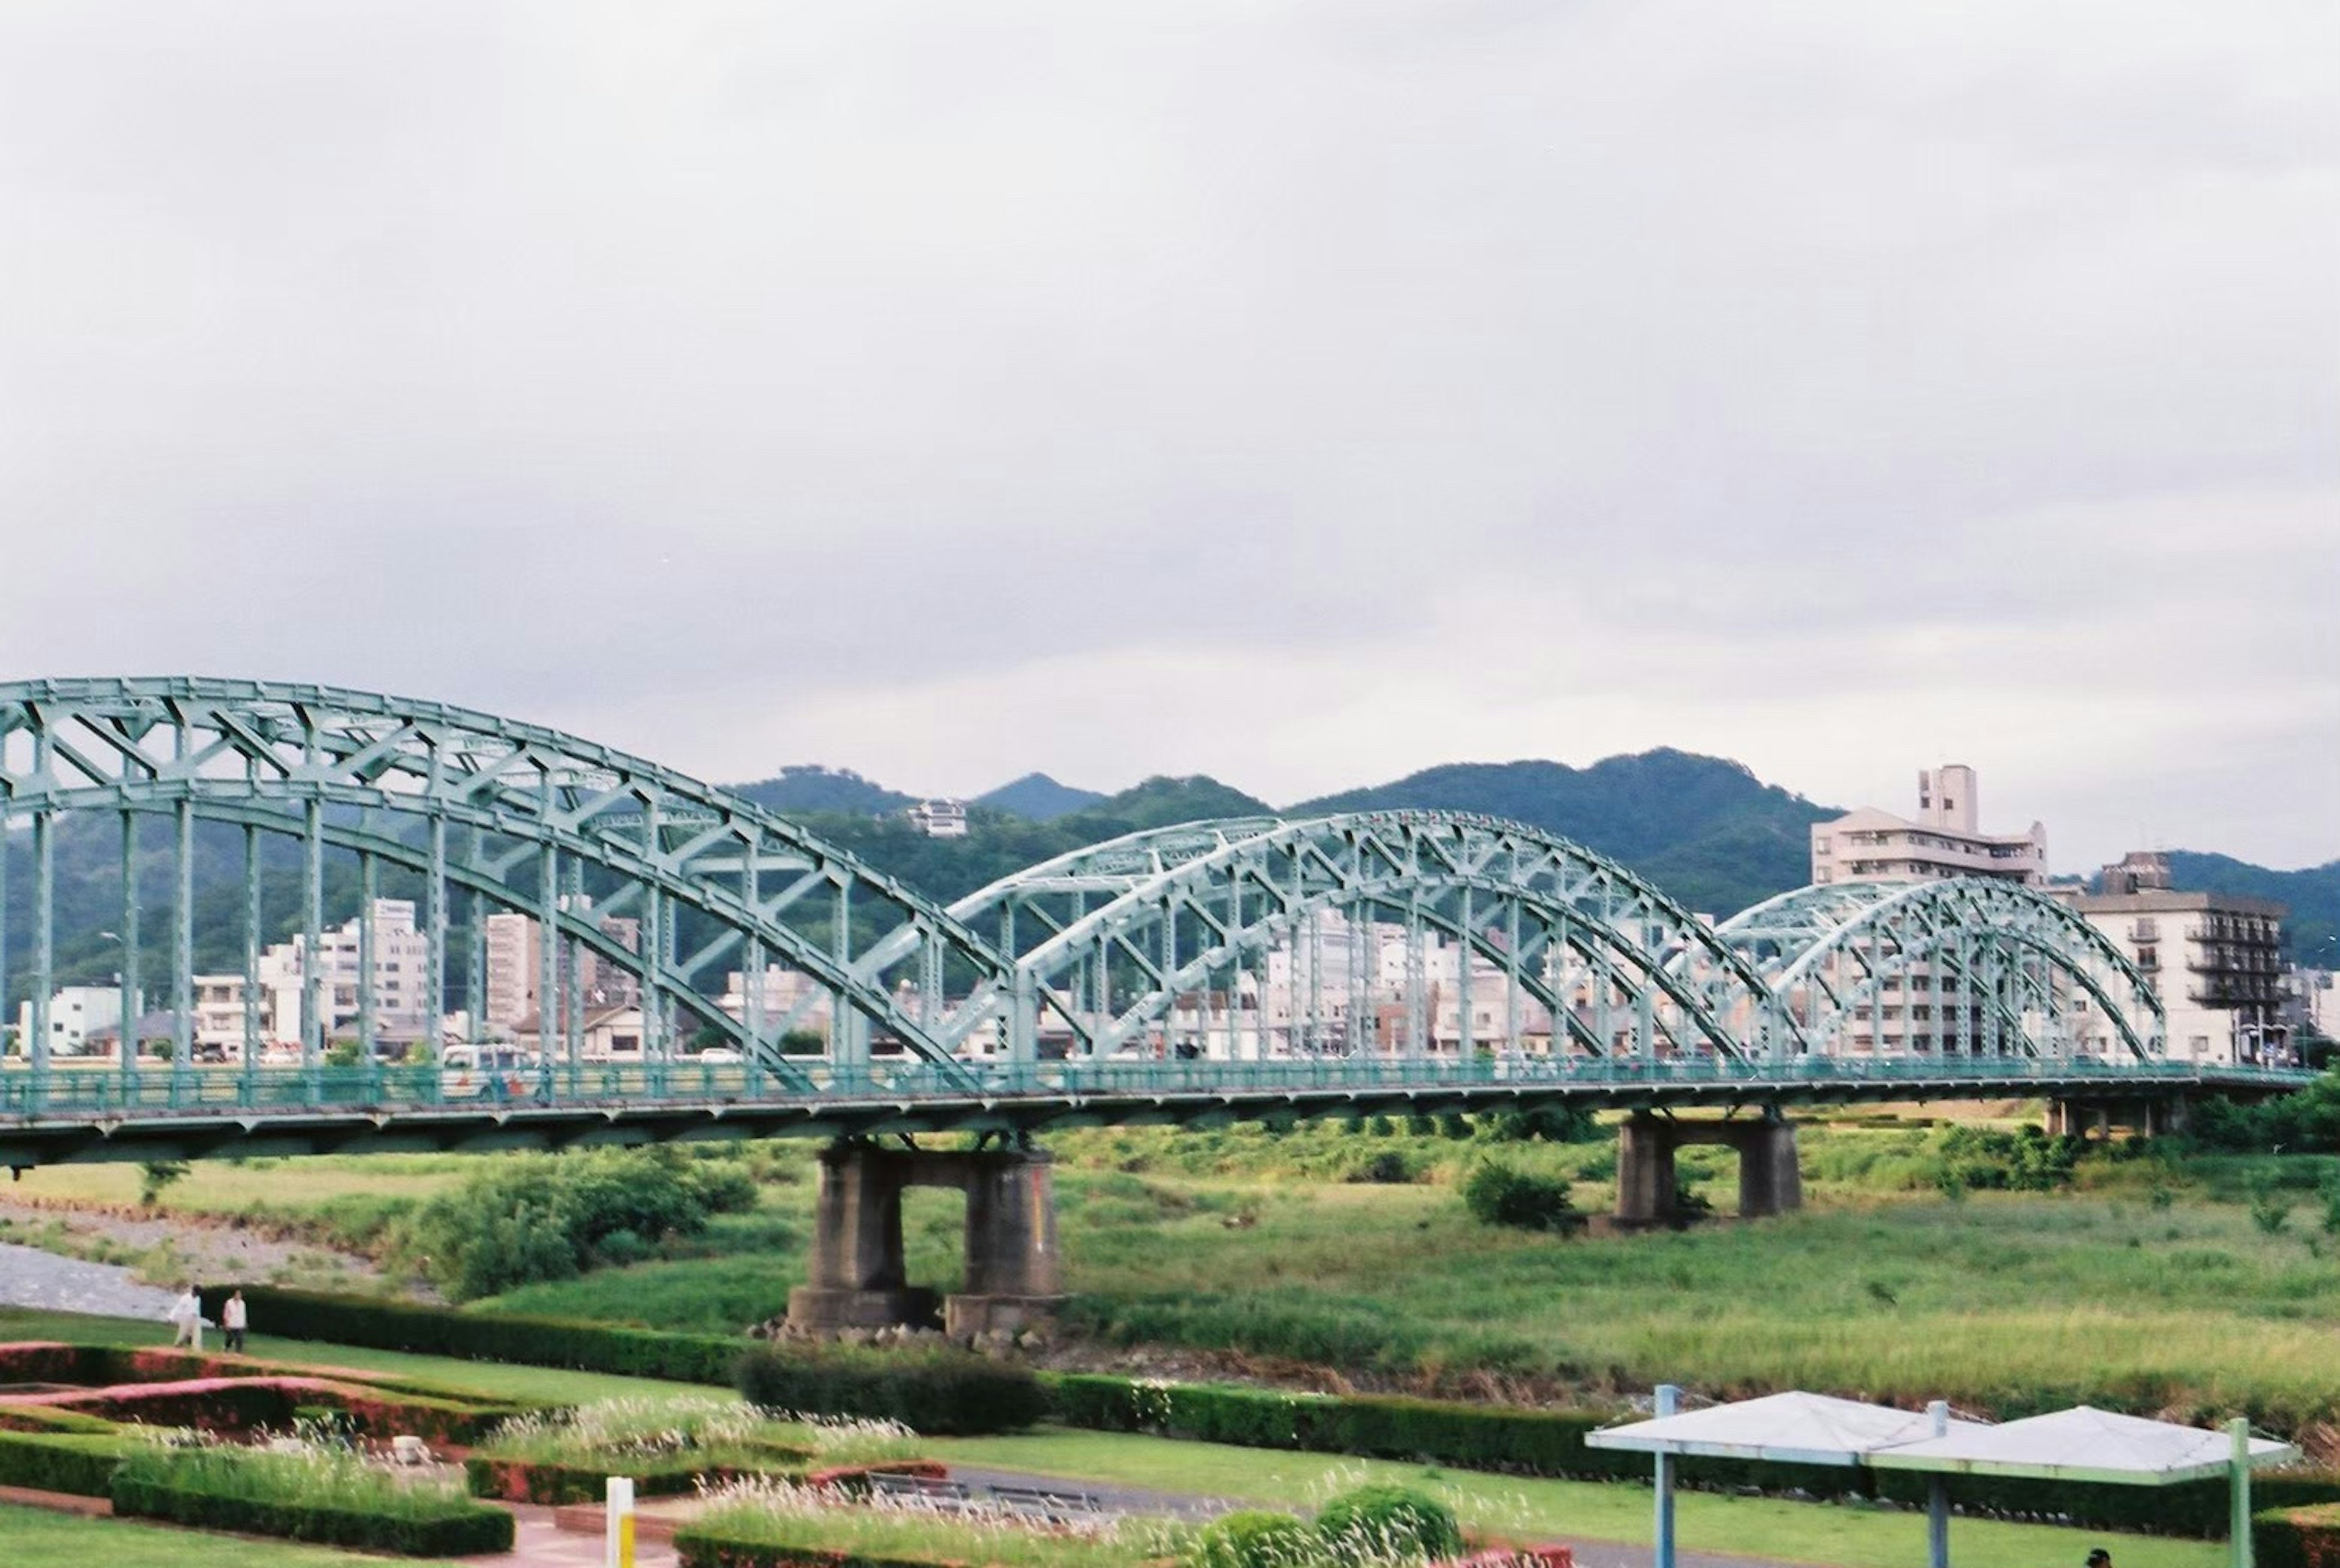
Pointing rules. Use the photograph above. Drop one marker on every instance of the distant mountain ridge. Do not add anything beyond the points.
(1036, 797)
(1705, 830)
(809, 786)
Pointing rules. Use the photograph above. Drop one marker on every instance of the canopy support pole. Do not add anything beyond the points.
(1668, 1400)
(2239, 1488)
(1937, 1496)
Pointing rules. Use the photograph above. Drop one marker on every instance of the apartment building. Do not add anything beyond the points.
(939, 818)
(513, 969)
(76, 1013)
(1944, 839)
(403, 1008)
(2216, 959)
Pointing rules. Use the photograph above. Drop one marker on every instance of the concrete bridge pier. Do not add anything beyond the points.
(2098, 1118)
(1015, 1277)
(1648, 1192)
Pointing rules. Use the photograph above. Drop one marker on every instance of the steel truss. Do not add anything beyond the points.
(1110, 941)
(1142, 961)
(515, 816)
(1966, 966)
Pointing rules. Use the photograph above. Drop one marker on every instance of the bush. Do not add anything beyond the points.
(327, 1495)
(1390, 1520)
(474, 1530)
(1496, 1194)
(551, 1218)
(2296, 1537)
(939, 1392)
(526, 1341)
(1388, 1168)
(1253, 1538)
(79, 1462)
(1997, 1160)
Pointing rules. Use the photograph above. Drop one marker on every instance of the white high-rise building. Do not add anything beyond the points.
(403, 1008)
(1944, 839)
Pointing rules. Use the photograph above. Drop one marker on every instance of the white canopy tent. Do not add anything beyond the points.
(1792, 1428)
(2085, 1443)
(2081, 1445)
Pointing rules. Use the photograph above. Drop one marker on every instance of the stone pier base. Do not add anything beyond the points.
(1015, 1278)
(1648, 1194)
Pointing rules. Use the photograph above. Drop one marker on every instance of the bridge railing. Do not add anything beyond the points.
(109, 1095)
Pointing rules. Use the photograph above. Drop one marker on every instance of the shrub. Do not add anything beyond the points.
(1496, 1194)
(2025, 1159)
(549, 1219)
(323, 1494)
(2296, 1537)
(1253, 1538)
(2270, 1209)
(476, 1530)
(526, 1341)
(1389, 1520)
(1388, 1168)
(79, 1462)
(943, 1391)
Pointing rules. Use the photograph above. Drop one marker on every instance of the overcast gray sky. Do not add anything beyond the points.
(1304, 392)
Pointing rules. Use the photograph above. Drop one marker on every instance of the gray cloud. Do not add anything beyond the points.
(1307, 391)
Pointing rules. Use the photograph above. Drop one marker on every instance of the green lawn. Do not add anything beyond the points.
(35, 1538)
(1851, 1537)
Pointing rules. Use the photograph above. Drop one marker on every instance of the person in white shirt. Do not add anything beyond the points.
(187, 1313)
(232, 1320)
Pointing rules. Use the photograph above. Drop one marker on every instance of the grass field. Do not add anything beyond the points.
(2150, 1287)
(35, 1538)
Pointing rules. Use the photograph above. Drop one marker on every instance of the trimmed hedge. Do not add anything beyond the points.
(936, 1391)
(486, 1336)
(82, 1463)
(701, 1549)
(545, 1481)
(947, 1393)
(473, 1530)
(2296, 1537)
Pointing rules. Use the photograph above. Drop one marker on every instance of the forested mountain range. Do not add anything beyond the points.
(1706, 829)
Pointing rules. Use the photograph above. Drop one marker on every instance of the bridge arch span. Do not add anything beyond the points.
(2030, 975)
(1112, 940)
(513, 816)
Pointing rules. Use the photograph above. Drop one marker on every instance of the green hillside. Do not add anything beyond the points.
(1036, 797)
(794, 791)
(1705, 829)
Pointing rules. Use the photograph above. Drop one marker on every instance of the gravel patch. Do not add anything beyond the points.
(43, 1280)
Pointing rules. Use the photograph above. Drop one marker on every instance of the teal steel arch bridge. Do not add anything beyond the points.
(1344, 965)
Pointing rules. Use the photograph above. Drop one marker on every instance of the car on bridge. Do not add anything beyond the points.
(489, 1072)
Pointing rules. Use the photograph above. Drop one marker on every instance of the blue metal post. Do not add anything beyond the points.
(133, 1004)
(183, 946)
(1938, 1494)
(2238, 1522)
(1668, 1402)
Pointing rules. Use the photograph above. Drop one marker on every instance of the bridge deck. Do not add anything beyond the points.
(84, 1116)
